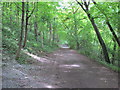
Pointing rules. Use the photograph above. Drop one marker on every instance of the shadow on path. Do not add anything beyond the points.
(64, 68)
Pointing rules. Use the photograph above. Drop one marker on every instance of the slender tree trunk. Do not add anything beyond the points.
(75, 29)
(42, 39)
(30, 25)
(78, 45)
(9, 13)
(50, 31)
(26, 26)
(106, 56)
(21, 35)
(115, 36)
(113, 53)
(109, 25)
(57, 37)
(36, 24)
(27, 19)
(35, 30)
(101, 41)
(53, 37)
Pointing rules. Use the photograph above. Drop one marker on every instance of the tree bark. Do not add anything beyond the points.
(42, 39)
(102, 43)
(50, 32)
(10, 6)
(36, 24)
(109, 25)
(54, 27)
(26, 26)
(35, 31)
(27, 19)
(113, 53)
(115, 36)
(21, 35)
(76, 29)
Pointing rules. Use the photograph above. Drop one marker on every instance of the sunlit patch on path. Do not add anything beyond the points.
(49, 86)
(70, 66)
(64, 68)
(38, 58)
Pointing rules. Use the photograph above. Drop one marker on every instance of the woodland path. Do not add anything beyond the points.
(64, 68)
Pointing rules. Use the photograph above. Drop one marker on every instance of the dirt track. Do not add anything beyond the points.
(63, 68)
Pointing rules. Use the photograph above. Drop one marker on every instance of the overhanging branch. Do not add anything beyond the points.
(32, 11)
(81, 5)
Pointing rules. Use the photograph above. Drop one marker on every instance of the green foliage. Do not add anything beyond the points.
(8, 41)
(111, 66)
(22, 60)
(61, 23)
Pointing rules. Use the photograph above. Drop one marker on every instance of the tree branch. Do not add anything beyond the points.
(88, 2)
(86, 5)
(31, 11)
(94, 2)
(81, 5)
(100, 9)
(75, 11)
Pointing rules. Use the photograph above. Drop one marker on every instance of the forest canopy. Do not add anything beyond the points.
(90, 27)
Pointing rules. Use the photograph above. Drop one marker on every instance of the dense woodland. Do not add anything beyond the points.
(92, 28)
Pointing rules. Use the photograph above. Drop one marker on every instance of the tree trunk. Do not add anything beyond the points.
(115, 36)
(78, 45)
(113, 53)
(54, 27)
(101, 41)
(42, 39)
(35, 30)
(53, 40)
(109, 25)
(9, 13)
(36, 24)
(105, 52)
(21, 35)
(76, 29)
(50, 31)
(26, 26)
